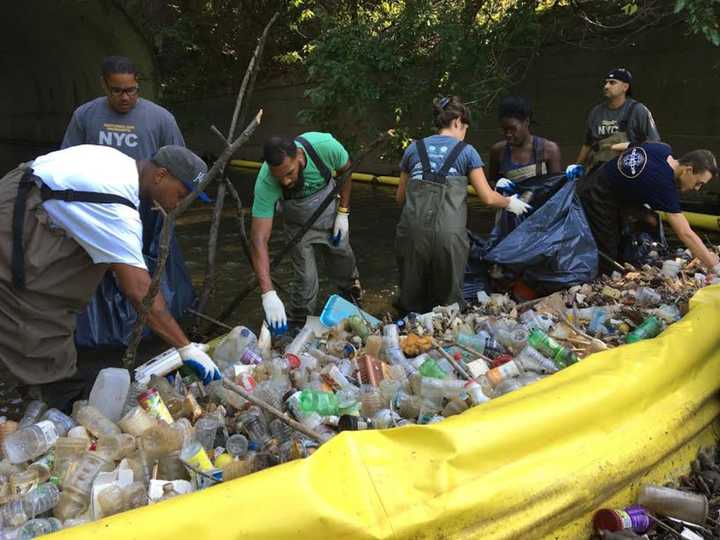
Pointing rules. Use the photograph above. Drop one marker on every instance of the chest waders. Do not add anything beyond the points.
(46, 278)
(339, 260)
(432, 242)
(601, 152)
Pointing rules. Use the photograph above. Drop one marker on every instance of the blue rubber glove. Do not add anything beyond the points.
(574, 171)
(194, 357)
(505, 187)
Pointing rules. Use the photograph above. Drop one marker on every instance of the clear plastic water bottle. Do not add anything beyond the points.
(30, 442)
(40, 500)
(38, 527)
(32, 414)
(237, 445)
(530, 359)
(63, 423)
(96, 422)
(597, 321)
(393, 352)
(252, 422)
(300, 341)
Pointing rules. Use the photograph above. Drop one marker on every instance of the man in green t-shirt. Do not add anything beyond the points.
(297, 173)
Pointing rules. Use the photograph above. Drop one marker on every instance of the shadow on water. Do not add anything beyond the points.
(372, 235)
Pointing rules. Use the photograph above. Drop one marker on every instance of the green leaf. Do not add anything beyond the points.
(680, 5)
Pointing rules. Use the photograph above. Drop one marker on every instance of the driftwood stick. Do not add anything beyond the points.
(168, 223)
(452, 361)
(245, 91)
(250, 76)
(272, 410)
(209, 283)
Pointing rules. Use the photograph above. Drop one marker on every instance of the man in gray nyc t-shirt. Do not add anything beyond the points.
(617, 121)
(138, 128)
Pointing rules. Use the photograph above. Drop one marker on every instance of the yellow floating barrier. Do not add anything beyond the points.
(535, 463)
(700, 221)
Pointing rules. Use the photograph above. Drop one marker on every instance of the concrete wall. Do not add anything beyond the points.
(50, 54)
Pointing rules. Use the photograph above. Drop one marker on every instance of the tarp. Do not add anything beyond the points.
(553, 247)
(534, 463)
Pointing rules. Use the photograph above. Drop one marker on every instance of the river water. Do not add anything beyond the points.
(373, 218)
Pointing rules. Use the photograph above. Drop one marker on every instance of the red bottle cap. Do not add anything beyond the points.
(500, 360)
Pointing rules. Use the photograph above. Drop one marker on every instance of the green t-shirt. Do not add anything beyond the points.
(268, 190)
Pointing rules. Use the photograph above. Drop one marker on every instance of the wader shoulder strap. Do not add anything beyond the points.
(539, 151)
(319, 163)
(424, 160)
(27, 182)
(450, 159)
(622, 126)
(441, 175)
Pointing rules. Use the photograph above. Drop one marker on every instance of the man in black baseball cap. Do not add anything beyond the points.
(616, 122)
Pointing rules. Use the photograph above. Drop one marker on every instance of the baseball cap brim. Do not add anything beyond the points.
(202, 196)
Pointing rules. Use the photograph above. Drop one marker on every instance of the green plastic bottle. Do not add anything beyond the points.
(323, 403)
(430, 368)
(561, 356)
(649, 328)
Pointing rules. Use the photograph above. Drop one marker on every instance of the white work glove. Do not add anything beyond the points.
(574, 171)
(193, 356)
(516, 206)
(274, 312)
(505, 186)
(341, 228)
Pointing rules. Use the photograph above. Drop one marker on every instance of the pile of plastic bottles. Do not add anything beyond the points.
(165, 433)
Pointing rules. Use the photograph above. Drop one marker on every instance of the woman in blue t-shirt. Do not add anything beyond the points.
(432, 242)
(646, 174)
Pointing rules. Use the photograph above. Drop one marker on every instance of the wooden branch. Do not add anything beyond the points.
(250, 75)
(246, 89)
(209, 283)
(168, 223)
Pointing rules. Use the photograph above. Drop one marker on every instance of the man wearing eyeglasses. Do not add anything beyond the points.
(646, 174)
(138, 128)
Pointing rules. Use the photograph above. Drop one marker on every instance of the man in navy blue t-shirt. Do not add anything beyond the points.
(646, 174)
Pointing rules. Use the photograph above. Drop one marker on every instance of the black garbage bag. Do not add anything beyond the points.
(549, 248)
(109, 317)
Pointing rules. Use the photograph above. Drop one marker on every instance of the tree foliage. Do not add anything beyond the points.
(378, 64)
(374, 64)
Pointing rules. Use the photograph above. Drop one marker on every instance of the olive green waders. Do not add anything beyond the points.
(432, 241)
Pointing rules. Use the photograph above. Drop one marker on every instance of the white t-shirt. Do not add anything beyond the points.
(110, 233)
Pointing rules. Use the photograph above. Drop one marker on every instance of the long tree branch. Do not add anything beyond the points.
(246, 89)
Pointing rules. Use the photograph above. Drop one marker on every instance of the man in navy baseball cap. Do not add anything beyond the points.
(621, 75)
